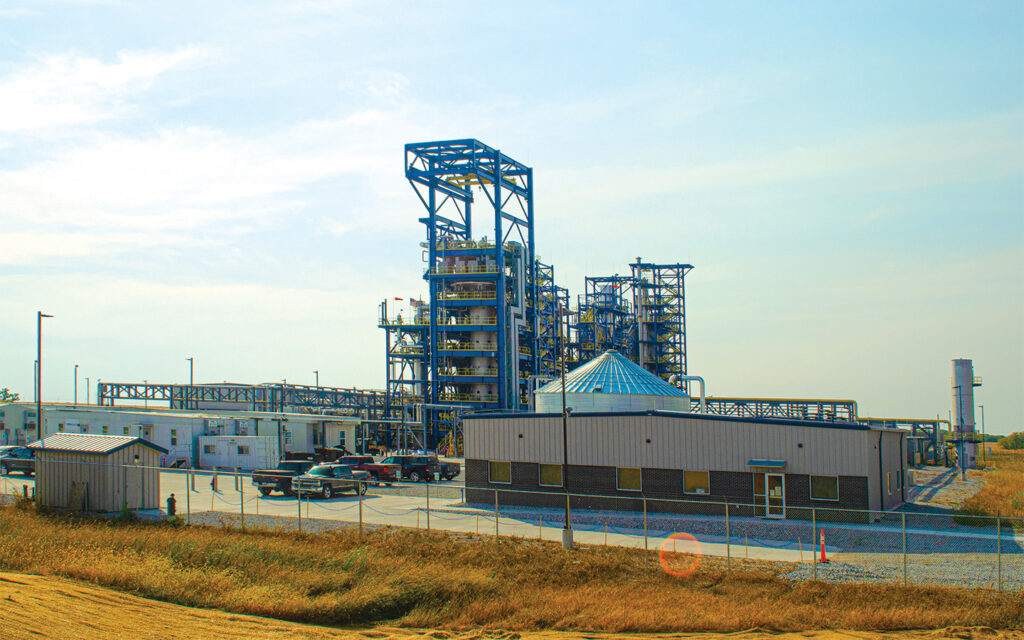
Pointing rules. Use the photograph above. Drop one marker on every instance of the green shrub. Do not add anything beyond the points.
(1013, 441)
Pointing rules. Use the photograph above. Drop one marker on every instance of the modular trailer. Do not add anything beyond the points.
(783, 467)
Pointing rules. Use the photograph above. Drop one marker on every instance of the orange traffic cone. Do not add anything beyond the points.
(823, 558)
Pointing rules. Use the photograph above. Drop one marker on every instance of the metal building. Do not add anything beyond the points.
(96, 472)
(777, 465)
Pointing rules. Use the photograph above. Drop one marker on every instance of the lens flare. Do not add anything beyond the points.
(680, 548)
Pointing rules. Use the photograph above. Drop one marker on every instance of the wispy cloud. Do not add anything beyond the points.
(61, 90)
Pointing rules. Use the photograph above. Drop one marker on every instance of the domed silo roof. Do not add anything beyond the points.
(611, 382)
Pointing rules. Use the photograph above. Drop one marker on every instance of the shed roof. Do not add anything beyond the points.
(89, 443)
(612, 372)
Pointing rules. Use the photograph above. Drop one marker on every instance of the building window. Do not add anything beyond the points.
(209, 448)
(696, 482)
(499, 472)
(628, 479)
(550, 475)
(341, 439)
(888, 483)
(125, 430)
(174, 437)
(243, 450)
(824, 488)
(899, 481)
(60, 427)
(105, 429)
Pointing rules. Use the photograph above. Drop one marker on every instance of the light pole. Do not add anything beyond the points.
(39, 373)
(319, 403)
(191, 379)
(87, 391)
(983, 442)
(567, 529)
(76, 384)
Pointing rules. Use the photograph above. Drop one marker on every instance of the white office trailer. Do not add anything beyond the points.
(179, 432)
(237, 452)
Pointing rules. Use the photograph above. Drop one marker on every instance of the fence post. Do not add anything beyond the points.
(298, 503)
(428, 506)
(359, 492)
(814, 531)
(241, 500)
(999, 554)
(903, 519)
(645, 525)
(495, 514)
(728, 540)
(188, 498)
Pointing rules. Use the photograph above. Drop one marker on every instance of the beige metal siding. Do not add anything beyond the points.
(676, 443)
(113, 481)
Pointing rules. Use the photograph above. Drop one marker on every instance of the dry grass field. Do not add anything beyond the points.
(1003, 493)
(47, 607)
(418, 579)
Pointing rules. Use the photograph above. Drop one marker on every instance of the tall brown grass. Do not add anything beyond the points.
(423, 579)
(1003, 492)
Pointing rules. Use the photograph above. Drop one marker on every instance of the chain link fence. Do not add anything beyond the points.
(835, 545)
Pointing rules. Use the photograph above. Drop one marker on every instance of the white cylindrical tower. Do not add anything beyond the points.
(963, 384)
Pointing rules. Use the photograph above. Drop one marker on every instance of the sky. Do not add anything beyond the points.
(225, 181)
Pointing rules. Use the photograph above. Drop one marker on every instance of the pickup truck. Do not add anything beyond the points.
(326, 480)
(280, 479)
(416, 467)
(450, 470)
(378, 471)
(14, 458)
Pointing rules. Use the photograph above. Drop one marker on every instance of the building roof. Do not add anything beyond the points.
(89, 443)
(612, 372)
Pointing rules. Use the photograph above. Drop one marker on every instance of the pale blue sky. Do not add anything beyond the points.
(224, 181)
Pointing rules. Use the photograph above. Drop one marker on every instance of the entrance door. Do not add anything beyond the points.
(776, 497)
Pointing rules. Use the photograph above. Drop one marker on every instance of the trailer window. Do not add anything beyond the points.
(209, 448)
(243, 450)
(550, 475)
(628, 479)
(824, 488)
(500, 472)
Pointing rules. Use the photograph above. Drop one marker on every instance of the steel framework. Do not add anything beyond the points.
(659, 301)
(368, 404)
(788, 408)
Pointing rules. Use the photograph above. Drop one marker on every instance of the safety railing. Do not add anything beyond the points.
(467, 295)
(463, 268)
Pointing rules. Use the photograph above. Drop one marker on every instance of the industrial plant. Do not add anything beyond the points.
(486, 363)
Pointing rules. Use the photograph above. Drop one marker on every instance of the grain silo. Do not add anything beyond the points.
(611, 382)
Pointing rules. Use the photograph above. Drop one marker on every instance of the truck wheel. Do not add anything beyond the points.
(265, 491)
(375, 478)
(415, 476)
(326, 493)
(362, 489)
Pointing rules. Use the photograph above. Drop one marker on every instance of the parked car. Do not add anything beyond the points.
(16, 458)
(329, 479)
(378, 471)
(280, 479)
(416, 467)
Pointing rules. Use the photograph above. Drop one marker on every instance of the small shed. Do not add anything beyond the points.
(90, 472)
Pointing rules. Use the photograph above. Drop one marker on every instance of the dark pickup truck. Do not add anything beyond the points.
(326, 480)
(14, 458)
(378, 471)
(280, 479)
(418, 467)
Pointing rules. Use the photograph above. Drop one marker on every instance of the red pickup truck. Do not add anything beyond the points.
(386, 473)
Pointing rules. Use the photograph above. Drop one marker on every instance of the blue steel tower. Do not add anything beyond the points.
(482, 340)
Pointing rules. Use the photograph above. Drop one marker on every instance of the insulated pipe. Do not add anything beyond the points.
(700, 381)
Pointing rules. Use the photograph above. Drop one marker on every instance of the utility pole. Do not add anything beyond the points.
(87, 390)
(76, 384)
(567, 529)
(191, 379)
(39, 373)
